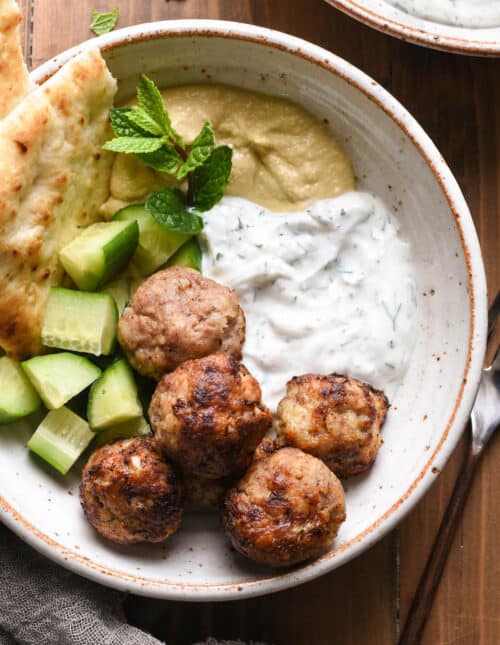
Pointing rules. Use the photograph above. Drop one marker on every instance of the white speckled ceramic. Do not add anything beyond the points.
(387, 18)
(393, 157)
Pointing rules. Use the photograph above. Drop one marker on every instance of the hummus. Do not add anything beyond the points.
(283, 157)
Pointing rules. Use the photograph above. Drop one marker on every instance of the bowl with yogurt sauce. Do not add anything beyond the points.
(381, 279)
(460, 26)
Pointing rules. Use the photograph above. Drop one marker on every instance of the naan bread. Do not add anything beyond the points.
(53, 178)
(14, 79)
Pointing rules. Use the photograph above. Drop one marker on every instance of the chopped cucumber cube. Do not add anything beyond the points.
(61, 438)
(113, 397)
(80, 321)
(133, 428)
(99, 252)
(156, 244)
(120, 290)
(189, 255)
(59, 377)
(18, 397)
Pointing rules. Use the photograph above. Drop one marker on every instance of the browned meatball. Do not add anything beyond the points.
(336, 418)
(286, 509)
(267, 446)
(208, 416)
(129, 493)
(204, 493)
(177, 315)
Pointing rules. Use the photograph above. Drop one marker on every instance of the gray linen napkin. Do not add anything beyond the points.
(43, 604)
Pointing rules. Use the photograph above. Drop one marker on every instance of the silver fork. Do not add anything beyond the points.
(485, 419)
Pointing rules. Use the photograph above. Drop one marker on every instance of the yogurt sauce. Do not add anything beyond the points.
(460, 13)
(329, 289)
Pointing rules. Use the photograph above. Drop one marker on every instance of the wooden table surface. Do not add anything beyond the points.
(456, 100)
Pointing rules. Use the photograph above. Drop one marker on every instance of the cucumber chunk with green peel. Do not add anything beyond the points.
(156, 243)
(18, 397)
(133, 428)
(189, 255)
(120, 290)
(99, 252)
(80, 321)
(59, 377)
(113, 397)
(61, 438)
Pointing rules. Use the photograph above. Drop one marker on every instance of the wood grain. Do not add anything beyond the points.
(349, 606)
(26, 29)
(455, 99)
(457, 109)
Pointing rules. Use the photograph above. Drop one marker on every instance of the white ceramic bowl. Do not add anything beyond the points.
(389, 19)
(393, 157)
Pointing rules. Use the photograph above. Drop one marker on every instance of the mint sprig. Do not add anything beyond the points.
(146, 131)
(151, 103)
(200, 151)
(121, 124)
(166, 159)
(141, 119)
(211, 178)
(102, 23)
(134, 144)
(168, 207)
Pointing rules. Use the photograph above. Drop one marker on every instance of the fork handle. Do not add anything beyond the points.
(429, 582)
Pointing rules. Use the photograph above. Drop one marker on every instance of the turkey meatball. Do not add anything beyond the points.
(268, 445)
(286, 509)
(336, 418)
(204, 493)
(177, 315)
(129, 493)
(208, 416)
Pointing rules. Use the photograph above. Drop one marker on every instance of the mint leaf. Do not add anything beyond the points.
(150, 100)
(168, 207)
(166, 159)
(200, 151)
(166, 200)
(210, 179)
(121, 124)
(133, 144)
(102, 23)
(140, 118)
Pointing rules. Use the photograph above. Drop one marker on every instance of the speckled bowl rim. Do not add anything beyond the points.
(427, 33)
(478, 306)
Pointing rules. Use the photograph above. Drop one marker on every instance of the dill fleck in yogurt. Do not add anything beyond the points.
(327, 289)
(459, 13)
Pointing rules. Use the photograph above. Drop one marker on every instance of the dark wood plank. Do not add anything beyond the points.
(457, 108)
(76, 15)
(351, 606)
